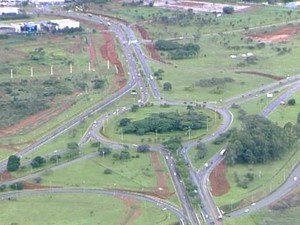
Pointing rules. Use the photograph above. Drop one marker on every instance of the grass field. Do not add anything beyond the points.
(80, 209)
(136, 173)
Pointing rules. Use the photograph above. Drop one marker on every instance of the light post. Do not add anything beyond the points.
(189, 133)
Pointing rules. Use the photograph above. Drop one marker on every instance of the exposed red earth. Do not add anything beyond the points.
(133, 211)
(109, 53)
(282, 35)
(218, 181)
(154, 54)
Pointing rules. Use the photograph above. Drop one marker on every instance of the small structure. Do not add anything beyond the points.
(64, 23)
(269, 95)
(26, 27)
(47, 2)
(8, 11)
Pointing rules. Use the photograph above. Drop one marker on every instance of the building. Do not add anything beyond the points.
(9, 11)
(47, 2)
(26, 27)
(65, 23)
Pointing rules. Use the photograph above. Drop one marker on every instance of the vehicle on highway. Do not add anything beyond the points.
(222, 152)
(89, 14)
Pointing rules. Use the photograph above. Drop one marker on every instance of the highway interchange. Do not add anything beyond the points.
(147, 85)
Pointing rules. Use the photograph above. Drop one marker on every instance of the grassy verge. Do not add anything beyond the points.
(81, 209)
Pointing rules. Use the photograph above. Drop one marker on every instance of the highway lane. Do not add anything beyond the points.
(98, 191)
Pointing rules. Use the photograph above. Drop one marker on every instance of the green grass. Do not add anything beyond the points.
(4, 153)
(286, 113)
(136, 173)
(80, 209)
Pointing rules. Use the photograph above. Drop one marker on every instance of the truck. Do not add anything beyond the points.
(222, 152)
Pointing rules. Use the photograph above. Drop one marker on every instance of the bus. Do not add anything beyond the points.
(222, 152)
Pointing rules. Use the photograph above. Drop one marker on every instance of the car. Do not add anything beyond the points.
(253, 203)
(246, 210)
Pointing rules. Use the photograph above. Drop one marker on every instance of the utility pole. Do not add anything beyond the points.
(31, 72)
(51, 70)
(71, 68)
(108, 64)
(11, 73)
(89, 66)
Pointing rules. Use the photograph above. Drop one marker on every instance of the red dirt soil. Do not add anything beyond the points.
(218, 180)
(154, 54)
(109, 53)
(283, 35)
(6, 176)
(161, 189)
(133, 211)
(92, 53)
(9, 147)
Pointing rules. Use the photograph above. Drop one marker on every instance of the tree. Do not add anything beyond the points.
(38, 161)
(103, 151)
(13, 163)
(201, 151)
(134, 108)
(167, 86)
(72, 149)
(291, 137)
(228, 9)
(143, 148)
(17, 186)
(292, 101)
(72, 145)
(124, 122)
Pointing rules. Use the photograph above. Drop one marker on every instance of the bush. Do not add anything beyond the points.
(17, 186)
(292, 102)
(228, 9)
(107, 171)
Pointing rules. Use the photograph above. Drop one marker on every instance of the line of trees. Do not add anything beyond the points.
(176, 50)
(165, 122)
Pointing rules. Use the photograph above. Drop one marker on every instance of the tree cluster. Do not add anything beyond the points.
(259, 141)
(164, 122)
(210, 82)
(38, 161)
(176, 50)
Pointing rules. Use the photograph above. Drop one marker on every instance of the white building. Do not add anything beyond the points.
(47, 2)
(65, 23)
(8, 11)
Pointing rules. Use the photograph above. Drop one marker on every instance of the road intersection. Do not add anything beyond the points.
(135, 59)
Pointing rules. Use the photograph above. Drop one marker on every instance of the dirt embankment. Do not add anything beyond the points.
(154, 54)
(110, 54)
(218, 180)
(282, 35)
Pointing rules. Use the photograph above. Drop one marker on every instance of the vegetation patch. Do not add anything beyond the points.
(165, 122)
